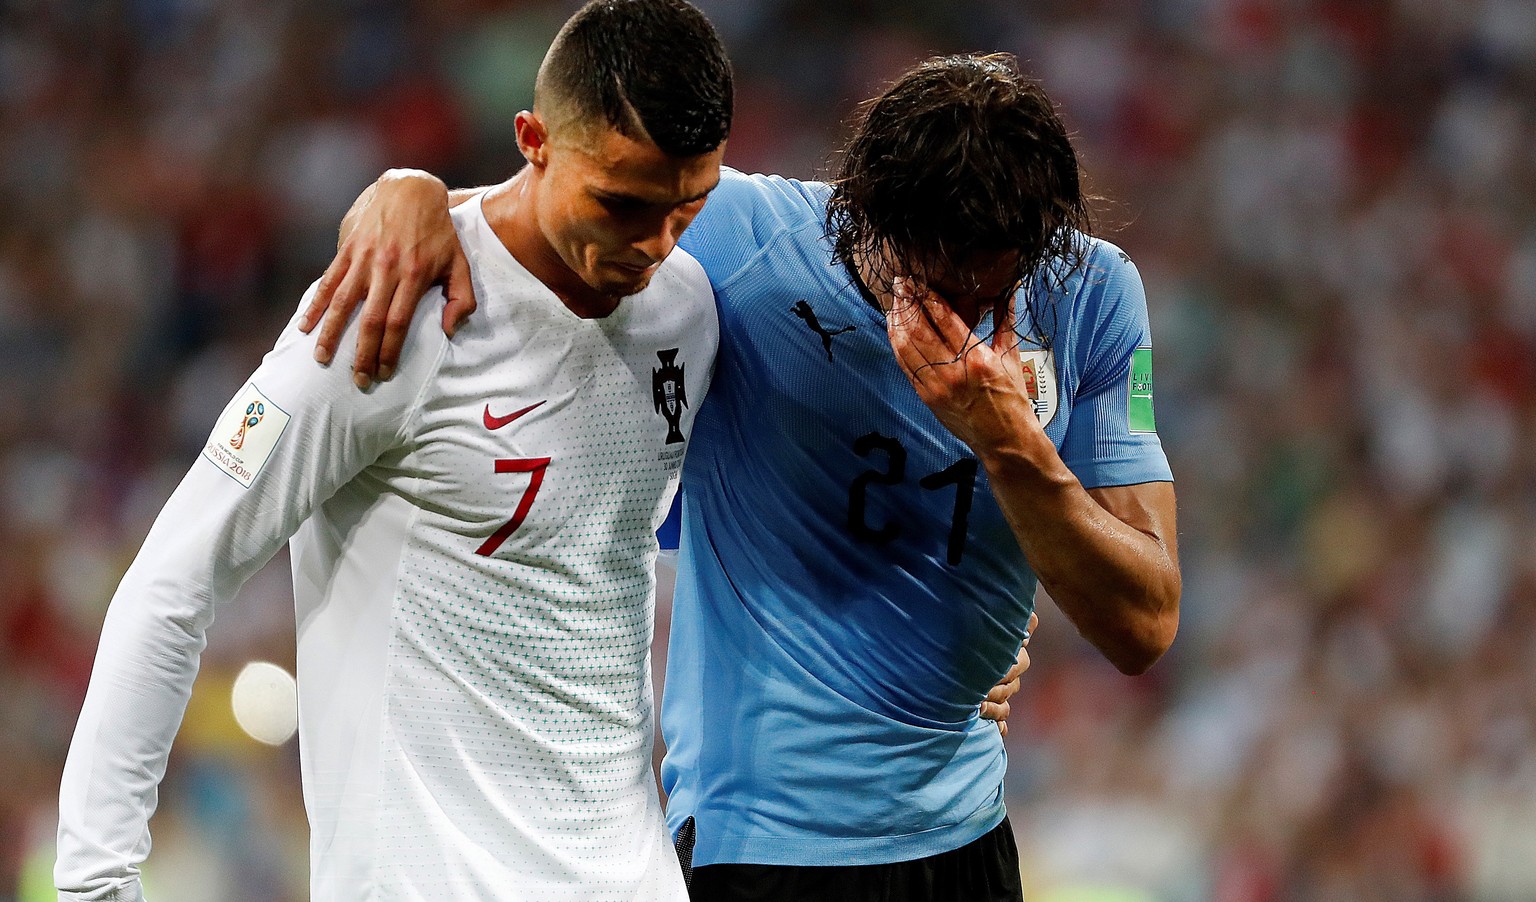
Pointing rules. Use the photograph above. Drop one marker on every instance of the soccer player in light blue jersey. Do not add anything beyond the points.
(933, 391)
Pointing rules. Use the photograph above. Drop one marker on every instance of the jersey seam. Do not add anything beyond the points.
(1088, 390)
(406, 430)
(389, 681)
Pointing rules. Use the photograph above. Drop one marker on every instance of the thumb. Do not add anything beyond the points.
(460, 290)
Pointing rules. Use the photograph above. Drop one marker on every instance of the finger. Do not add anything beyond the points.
(460, 289)
(924, 342)
(1002, 728)
(1005, 336)
(370, 331)
(930, 338)
(995, 710)
(397, 324)
(1020, 664)
(1029, 631)
(325, 292)
(343, 302)
(899, 327)
(947, 325)
(1004, 690)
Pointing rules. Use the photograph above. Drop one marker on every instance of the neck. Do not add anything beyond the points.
(511, 208)
(863, 279)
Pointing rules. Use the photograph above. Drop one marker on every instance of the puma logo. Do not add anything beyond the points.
(803, 310)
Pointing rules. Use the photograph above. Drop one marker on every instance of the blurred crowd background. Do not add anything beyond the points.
(1333, 206)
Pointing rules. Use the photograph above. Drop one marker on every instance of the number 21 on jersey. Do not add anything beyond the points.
(961, 474)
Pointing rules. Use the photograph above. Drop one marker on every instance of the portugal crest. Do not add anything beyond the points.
(669, 394)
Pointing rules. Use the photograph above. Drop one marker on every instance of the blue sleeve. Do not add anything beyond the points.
(1101, 447)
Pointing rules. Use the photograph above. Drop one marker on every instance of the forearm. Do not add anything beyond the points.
(151, 642)
(138, 694)
(1119, 585)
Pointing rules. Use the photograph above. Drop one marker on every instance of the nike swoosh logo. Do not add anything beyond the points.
(492, 422)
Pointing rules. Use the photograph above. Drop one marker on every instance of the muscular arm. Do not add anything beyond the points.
(1108, 556)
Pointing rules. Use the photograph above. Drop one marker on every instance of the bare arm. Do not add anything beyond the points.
(1109, 556)
(396, 242)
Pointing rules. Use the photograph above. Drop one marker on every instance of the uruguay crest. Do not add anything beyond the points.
(669, 393)
(1040, 381)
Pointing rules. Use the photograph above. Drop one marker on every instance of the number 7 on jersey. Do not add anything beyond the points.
(535, 466)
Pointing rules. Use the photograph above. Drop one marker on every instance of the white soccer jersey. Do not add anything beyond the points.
(473, 545)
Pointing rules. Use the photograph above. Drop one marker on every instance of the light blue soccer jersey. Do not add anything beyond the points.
(848, 589)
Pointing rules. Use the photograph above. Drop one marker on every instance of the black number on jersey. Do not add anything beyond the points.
(961, 474)
(893, 474)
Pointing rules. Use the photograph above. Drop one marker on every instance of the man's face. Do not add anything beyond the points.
(983, 281)
(613, 207)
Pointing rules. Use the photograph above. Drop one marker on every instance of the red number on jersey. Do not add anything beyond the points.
(532, 465)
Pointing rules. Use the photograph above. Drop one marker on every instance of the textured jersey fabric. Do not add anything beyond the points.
(473, 545)
(848, 589)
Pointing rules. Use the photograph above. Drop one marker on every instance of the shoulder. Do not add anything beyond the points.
(1094, 267)
(758, 196)
(424, 342)
(683, 276)
(747, 213)
(1107, 267)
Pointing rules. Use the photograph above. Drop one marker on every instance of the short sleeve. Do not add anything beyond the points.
(1111, 438)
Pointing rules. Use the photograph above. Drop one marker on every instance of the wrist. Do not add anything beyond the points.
(1027, 459)
(413, 177)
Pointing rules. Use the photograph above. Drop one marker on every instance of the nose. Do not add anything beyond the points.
(659, 242)
(656, 247)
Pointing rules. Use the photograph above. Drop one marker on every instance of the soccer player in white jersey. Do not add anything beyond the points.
(473, 540)
(934, 390)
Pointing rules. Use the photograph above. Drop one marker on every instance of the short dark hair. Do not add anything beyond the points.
(649, 68)
(963, 154)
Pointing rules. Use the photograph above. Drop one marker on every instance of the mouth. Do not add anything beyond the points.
(636, 270)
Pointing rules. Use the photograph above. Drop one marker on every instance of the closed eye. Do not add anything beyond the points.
(623, 205)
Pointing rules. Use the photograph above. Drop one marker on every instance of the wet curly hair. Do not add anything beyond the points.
(963, 155)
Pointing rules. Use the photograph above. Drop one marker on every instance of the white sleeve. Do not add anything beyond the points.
(294, 434)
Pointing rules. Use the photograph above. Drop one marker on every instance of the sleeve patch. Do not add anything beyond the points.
(245, 435)
(1139, 412)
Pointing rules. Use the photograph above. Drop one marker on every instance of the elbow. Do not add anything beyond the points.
(1144, 640)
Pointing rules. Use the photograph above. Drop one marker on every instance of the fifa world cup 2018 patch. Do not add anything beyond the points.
(245, 435)
(1139, 412)
(1040, 381)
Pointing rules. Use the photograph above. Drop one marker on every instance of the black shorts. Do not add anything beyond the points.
(986, 870)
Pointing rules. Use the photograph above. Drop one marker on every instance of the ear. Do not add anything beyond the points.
(532, 138)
